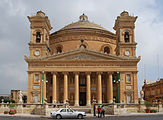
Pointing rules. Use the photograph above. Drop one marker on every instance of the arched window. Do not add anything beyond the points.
(82, 46)
(38, 37)
(59, 49)
(106, 50)
(126, 37)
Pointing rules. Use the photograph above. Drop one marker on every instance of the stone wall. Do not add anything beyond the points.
(112, 109)
(119, 109)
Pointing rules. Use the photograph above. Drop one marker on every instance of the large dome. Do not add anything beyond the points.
(83, 23)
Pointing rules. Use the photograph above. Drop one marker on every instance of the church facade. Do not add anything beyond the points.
(82, 62)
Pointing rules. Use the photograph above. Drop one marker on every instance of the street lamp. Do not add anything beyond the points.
(118, 81)
(43, 87)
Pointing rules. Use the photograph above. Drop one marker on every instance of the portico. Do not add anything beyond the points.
(79, 86)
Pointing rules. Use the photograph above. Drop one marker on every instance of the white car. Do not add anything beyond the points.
(67, 113)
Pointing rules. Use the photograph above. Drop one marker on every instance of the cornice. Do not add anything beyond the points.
(83, 30)
(86, 34)
(87, 53)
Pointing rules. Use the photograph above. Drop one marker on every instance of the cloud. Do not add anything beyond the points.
(15, 31)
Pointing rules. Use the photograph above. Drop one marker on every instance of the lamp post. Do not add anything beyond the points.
(42, 87)
(118, 81)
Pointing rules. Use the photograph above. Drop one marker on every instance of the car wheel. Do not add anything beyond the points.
(80, 116)
(58, 117)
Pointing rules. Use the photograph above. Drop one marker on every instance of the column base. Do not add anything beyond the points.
(64, 101)
(88, 103)
(99, 102)
(76, 103)
(110, 101)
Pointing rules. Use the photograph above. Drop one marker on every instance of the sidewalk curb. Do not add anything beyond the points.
(87, 115)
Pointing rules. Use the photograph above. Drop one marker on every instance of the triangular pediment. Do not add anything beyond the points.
(82, 55)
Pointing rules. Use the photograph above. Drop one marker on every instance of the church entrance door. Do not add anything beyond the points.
(82, 89)
(82, 98)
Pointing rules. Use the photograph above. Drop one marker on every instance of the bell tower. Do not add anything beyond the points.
(40, 31)
(124, 26)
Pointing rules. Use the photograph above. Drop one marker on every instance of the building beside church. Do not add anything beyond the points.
(82, 62)
(153, 90)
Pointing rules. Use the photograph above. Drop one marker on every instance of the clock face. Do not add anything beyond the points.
(37, 52)
(127, 52)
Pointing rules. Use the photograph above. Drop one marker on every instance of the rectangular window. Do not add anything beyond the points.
(128, 78)
(36, 77)
(72, 88)
(148, 93)
(129, 98)
(35, 99)
(36, 87)
(93, 80)
(93, 88)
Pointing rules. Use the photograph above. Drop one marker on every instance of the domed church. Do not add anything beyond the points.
(83, 62)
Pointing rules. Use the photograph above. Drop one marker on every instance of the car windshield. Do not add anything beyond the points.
(57, 110)
(73, 110)
(63, 110)
(69, 110)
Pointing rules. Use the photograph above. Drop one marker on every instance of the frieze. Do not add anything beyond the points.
(87, 64)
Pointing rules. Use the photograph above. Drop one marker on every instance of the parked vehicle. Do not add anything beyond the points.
(67, 113)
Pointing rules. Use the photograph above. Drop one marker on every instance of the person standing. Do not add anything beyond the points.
(99, 111)
(102, 111)
(94, 109)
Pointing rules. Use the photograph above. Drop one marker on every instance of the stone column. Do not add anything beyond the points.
(76, 89)
(99, 89)
(135, 95)
(29, 98)
(122, 87)
(88, 89)
(41, 89)
(109, 88)
(54, 91)
(65, 88)
(45, 99)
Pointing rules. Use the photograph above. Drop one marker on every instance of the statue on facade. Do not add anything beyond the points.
(141, 95)
(20, 95)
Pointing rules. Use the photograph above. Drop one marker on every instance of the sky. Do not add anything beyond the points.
(15, 32)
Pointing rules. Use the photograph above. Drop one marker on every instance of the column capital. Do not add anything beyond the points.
(54, 73)
(99, 73)
(110, 72)
(88, 73)
(135, 72)
(65, 73)
(76, 73)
